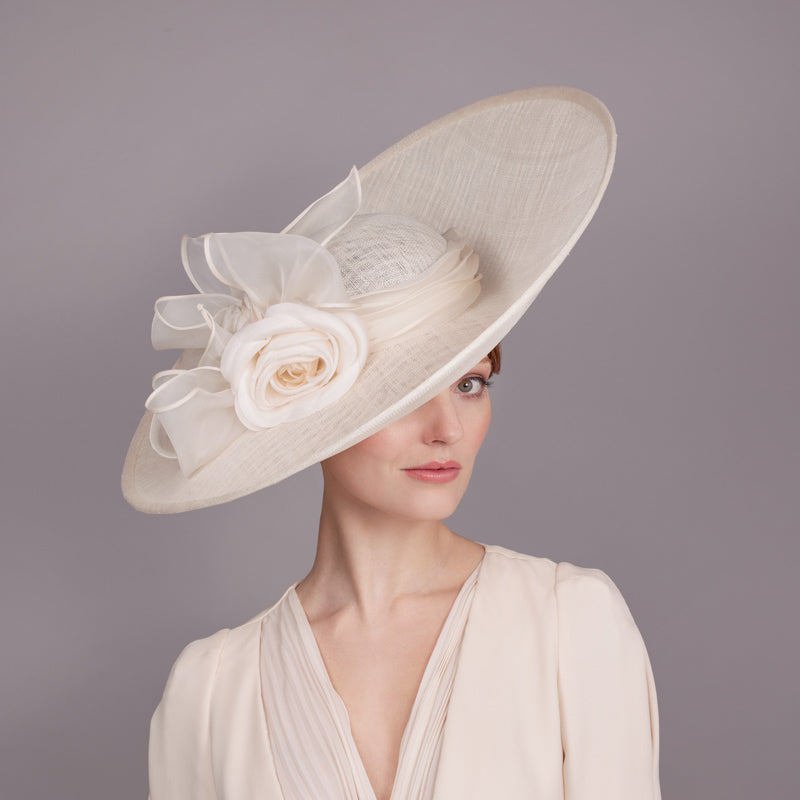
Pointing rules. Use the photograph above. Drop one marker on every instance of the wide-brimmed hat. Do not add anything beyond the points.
(299, 344)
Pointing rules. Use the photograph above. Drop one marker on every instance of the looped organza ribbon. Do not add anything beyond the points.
(272, 335)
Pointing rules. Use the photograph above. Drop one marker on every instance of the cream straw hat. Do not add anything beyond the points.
(299, 344)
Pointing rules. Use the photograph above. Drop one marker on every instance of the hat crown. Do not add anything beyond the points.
(384, 251)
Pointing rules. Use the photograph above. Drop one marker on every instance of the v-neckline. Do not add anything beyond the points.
(312, 648)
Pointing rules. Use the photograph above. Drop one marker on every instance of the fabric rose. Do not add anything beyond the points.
(274, 310)
(294, 361)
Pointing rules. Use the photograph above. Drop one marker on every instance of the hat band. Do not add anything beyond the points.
(272, 336)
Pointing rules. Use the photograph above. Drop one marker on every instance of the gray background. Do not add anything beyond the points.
(645, 419)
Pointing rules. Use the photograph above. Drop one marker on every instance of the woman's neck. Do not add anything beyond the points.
(366, 559)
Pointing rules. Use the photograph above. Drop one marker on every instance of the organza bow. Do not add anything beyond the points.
(272, 336)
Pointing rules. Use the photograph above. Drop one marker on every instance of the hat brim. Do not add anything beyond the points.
(519, 176)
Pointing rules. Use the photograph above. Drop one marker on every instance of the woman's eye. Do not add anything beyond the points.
(474, 385)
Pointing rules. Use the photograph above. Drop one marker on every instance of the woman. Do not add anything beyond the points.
(410, 662)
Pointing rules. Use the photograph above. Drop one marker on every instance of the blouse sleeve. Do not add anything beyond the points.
(607, 696)
(179, 758)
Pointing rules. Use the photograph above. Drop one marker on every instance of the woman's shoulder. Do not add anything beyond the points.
(204, 655)
(504, 560)
(572, 586)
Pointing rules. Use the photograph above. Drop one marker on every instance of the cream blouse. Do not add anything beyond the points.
(552, 698)
(312, 743)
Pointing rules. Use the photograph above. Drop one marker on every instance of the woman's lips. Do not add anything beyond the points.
(435, 471)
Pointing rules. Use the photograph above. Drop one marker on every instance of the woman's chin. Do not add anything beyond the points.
(430, 509)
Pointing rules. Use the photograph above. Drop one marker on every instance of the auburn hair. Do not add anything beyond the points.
(495, 358)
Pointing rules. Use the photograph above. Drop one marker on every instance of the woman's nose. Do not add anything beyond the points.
(440, 419)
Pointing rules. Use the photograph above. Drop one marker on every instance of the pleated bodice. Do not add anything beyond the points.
(313, 747)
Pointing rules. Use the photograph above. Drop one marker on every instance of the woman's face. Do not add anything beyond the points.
(419, 466)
